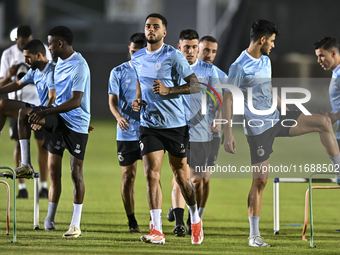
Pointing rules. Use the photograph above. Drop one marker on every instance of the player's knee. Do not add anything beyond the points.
(260, 183)
(326, 122)
(128, 177)
(152, 175)
(2, 103)
(22, 113)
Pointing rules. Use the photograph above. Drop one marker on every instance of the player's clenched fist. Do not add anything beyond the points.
(136, 104)
(159, 88)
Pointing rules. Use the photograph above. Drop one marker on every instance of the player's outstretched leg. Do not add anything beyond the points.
(323, 125)
(255, 203)
(152, 167)
(179, 168)
(128, 194)
(78, 197)
(54, 167)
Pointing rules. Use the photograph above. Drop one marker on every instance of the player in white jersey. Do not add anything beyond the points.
(11, 59)
(252, 69)
(66, 124)
(122, 91)
(163, 124)
(200, 134)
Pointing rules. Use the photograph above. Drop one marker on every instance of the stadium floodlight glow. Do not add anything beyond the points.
(13, 34)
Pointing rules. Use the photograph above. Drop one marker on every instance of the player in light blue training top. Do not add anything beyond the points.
(252, 70)
(66, 124)
(327, 51)
(163, 124)
(43, 80)
(207, 52)
(200, 133)
(41, 74)
(122, 92)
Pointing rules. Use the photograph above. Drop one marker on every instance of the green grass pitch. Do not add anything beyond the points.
(104, 223)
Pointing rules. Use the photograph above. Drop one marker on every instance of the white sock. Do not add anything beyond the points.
(254, 225)
(200, 212)
(156, 217)
(76, 215)
(22, 186)
(52, 209)
(43, 185)
(336, 160)
(25, 152)
(195, 218)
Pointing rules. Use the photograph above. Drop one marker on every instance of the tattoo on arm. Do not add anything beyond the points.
(191, 86)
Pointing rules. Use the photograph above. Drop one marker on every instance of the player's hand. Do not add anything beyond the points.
(12, 71)
(159, 88)
(137, 104)
(123, 123)
(331, 115)
(229, 143)
(35, 117)
(35, 127)
(215, 127)
(90, 129)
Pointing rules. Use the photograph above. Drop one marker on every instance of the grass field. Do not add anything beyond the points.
(104, 223)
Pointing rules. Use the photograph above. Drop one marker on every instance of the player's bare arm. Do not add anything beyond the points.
(11, 72)
(52, 95)
(192, 86)
(73, 103)
(229, 140)
(123, 123)
(137, 104)
(13, 86)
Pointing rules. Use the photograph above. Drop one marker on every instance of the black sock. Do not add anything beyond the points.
(179, 214)
(132, 220)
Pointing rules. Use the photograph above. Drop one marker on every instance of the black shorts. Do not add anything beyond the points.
(58, 137)
(214, 148)
(128, 152)
(199, 153)
(261, 145)
(173, 140)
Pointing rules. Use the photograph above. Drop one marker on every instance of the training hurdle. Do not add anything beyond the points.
(291, 180)
(8, 204)
(14, 202)
(36, 202)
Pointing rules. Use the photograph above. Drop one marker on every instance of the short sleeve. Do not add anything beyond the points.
(80, 76)
(114, 82)
(180, 64)
(28, 77)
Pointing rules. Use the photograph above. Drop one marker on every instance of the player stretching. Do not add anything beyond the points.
(327, 51)
(200, 134)
(163, 124)
(66, 123)
(40, 74)
(252, 69)
(11, 59)
(122, 91)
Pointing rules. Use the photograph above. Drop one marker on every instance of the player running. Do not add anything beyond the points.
(122, 91)
(200, 134)
(163, 124)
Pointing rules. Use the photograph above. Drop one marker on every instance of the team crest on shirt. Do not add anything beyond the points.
(260, 151)
(158, 66)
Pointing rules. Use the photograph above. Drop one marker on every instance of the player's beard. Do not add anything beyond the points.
(156, 40)
(264, 50)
